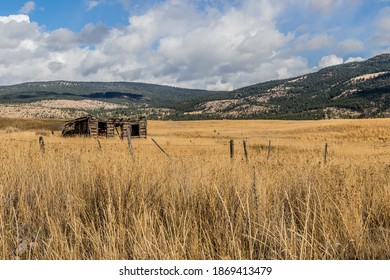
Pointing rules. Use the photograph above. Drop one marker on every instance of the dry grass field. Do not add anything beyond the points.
(76, 201)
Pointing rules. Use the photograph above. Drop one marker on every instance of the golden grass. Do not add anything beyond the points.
(78, 202)
(30, 124)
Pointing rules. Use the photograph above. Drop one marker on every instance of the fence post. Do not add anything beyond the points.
(42, 144)
(326, 153)
(231, 148)
(117, 131)
(269, 150)
(128, 131)
(245, 150)
(154, 141)
(98, 140)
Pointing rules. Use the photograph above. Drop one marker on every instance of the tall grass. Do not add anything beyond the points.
(78, 202)
(28, 124)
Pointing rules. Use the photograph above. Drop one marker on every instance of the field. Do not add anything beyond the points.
(78, 201)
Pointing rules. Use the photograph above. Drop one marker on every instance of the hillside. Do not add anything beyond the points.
(352, 90)
(34, 99)
(155, 95)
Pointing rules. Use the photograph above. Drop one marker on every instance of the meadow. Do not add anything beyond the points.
(77, 200)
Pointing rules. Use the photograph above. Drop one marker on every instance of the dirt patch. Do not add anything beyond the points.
(366, 77)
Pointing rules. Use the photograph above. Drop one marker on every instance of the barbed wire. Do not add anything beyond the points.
(250, 142)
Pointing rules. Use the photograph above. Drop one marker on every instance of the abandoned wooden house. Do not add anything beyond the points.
(93, 126)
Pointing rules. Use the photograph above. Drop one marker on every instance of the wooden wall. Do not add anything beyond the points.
(110, 129)
(137, 127)
(93, 127)
(90, 126)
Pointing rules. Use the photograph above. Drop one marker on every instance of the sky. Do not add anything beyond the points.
(204, 44)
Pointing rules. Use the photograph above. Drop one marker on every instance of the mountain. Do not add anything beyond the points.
(154, 95)
(114, 99)
(351, 90)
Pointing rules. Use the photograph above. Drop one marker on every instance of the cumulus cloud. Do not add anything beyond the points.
(330, 60)
(15, 30)
(14, 18)
(209, 48)
(61, 39)
(28, 7)
(355, 59)
(174, 42)
(93, 34)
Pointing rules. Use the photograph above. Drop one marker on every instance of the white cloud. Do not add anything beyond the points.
(61, 39)
(14, 18)
(28, 7)
(355, 59)
(173, 43)
(330, 60)
(14, 30)
(214, 48)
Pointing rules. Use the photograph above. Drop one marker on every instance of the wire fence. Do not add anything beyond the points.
(226, 143)
(231, 147)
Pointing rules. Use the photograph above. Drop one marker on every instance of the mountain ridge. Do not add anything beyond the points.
(350, 90)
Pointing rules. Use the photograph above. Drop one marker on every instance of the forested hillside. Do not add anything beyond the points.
(351, 90)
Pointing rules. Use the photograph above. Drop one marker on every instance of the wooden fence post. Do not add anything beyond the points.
(269, 150)
(231, 148)
(117, 131)
(128, 132)
(245, 150)
(98, 140)
(154, 141)
(326, 153)
(42, 144)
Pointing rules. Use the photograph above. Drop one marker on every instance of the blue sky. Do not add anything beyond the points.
(211, 44)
